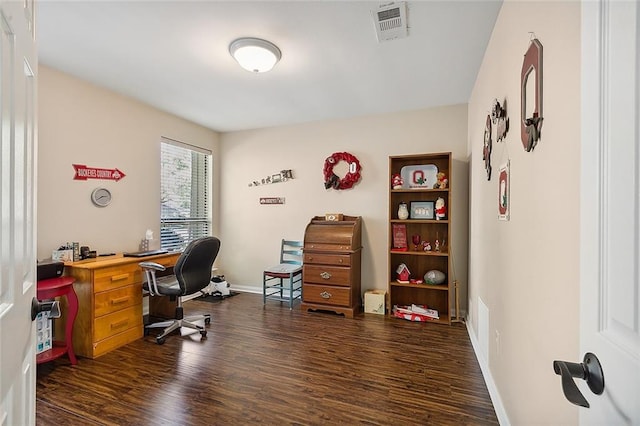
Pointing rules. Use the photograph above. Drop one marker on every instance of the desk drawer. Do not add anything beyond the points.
(114, 300)
(117, 322)
(323, 274)
(116, 276)
(106, 345)
(326, 295)
(328, 259)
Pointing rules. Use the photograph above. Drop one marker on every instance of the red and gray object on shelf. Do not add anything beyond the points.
(418, 313)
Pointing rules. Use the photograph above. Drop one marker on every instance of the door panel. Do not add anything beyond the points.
(18, 63)
(610, 212)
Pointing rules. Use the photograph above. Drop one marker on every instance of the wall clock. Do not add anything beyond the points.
(101, 197)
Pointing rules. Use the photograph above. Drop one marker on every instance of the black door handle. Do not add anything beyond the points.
(589, 369)
(48, 305)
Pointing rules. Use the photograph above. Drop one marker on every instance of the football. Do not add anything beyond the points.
(434, 277)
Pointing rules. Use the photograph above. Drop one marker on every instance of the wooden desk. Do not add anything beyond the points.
(109, 291)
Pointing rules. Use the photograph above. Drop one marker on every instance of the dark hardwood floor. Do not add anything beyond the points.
(275, 366)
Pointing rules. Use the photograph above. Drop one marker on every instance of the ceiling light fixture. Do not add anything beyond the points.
(255, 54)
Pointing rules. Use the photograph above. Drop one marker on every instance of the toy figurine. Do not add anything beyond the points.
(426, 246)
(441, 209)
(437, 245)
(396, 181)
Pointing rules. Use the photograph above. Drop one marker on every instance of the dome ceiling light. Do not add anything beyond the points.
(255, 54)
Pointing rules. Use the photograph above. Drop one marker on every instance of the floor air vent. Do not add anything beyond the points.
(390, 20)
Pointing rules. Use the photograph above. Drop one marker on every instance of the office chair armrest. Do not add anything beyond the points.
(150, 269)
(152, 265)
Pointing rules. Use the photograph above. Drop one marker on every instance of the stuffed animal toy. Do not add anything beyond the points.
(442, 181)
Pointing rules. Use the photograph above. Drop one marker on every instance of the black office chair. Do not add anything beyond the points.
(191, 273)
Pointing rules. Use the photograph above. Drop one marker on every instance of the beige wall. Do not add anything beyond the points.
(526, 271)
(80, 123)
(251, 232)
(84, 124)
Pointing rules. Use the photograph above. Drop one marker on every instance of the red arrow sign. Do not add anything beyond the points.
(83, 173)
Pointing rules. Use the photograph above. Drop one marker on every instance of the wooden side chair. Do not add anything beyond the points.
(283, 282)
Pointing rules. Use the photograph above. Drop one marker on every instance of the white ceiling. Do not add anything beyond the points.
(174, 55)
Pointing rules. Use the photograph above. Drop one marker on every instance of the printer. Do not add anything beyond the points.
(49, 269)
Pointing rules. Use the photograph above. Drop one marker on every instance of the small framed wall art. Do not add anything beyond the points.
(503, 192)
(422, 210)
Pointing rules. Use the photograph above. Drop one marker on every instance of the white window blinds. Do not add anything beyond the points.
(185, 188)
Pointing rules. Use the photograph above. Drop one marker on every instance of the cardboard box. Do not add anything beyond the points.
(43, 332)
(374, 301)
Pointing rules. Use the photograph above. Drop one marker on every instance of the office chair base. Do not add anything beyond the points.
(176, 324)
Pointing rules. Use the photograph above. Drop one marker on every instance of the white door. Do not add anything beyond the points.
(18, 65)
(610, 210)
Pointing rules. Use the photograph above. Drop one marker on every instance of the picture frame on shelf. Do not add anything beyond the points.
(422, 210)
(399, 237)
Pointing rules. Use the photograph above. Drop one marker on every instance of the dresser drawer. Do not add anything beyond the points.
(117, 322)
(327, 246)
(328, 259)
(328, 295)
(323, 274)
(116, 276)
(114, 300)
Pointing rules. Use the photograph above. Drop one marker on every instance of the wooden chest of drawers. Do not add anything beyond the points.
(109, 302)
(331, 266)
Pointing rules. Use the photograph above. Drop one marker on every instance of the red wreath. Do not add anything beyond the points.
(331, 180)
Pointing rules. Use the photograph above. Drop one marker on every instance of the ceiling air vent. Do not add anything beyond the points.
(390, 20)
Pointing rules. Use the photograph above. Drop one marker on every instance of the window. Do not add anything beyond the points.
(185, 194)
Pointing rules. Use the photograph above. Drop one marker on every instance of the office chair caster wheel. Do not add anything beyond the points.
(160, 340)
(203, 333)
(207, 320)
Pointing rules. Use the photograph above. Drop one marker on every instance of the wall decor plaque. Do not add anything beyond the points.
(271, 200)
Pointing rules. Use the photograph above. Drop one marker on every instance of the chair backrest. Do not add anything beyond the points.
(193, 267)
(291, 252)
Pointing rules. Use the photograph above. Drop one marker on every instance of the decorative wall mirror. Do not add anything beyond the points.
(531, 89)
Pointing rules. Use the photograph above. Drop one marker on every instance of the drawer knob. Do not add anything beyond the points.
(310, 258)
(339, 260)
(325, 295)
(119, 277)
(119, 324)
(325, 275)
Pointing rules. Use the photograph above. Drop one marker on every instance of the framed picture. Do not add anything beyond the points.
(399, 237)
(503, 192)
(422, 210)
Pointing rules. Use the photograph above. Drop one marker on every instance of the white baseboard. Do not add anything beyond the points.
(246, 289)
(488, 379)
